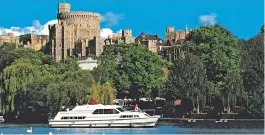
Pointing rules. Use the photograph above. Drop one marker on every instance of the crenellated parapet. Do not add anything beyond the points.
(78, 15)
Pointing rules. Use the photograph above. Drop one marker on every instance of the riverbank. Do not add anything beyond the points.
(187, 119)
(169, 120)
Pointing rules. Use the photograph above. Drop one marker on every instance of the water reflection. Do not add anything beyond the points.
(161, 128)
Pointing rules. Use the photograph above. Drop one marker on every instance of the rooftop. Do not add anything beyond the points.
(144, 36)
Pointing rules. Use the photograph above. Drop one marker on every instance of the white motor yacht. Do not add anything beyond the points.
(102, 116)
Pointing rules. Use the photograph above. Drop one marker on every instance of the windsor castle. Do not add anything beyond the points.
(78, 33)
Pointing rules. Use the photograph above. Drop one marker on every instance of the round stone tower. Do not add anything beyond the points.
(76, 33)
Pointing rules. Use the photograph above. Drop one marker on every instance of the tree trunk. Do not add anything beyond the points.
(223, 98)
(193, 106)
(235, 101)
(228, 104)
(198, 105)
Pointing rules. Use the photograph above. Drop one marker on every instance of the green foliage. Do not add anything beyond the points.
(104, 94)
(215, 65)
(107, 70)
(220, 52)
(5, 50)
(188, 80)
(10, 54)
(31, 81)
(16, 77)
(253, 72)
(137, 71)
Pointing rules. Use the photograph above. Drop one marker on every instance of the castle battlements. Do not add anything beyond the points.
(171, 34)
(78, 14)
(81, 14)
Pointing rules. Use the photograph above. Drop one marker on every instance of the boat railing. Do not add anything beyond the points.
(67, 108)
(151, 112)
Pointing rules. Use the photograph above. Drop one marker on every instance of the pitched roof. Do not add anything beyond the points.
(143, 36)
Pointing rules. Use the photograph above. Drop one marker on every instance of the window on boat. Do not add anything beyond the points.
(106, 111)
(98, 111)
(115, 111)
(65, 118)
(121, 109)
(128, 116)
(135, 116)
(110, 111)
(123, 116)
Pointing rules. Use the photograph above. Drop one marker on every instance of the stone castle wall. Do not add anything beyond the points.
(75, 33)
(171, 34)
(9, 39)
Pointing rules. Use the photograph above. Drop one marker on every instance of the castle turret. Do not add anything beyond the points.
(64, 8)
(169, 33)
(170, 29)
(127, 33)
(127, 36)
(186, 30)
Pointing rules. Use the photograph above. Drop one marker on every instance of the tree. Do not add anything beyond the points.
(104, 94)
(72, 87)
(253, 72)
(15, 79)
(188, 80)
(131, 68)
(220, 53)
(33, 85)
(140, 71)
(107, 70)
(11, 54)
(5, 50)
(234, 89)
(70, 64)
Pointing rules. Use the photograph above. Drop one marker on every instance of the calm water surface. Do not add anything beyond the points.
(161, 128)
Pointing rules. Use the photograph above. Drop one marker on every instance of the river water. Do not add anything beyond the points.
(160, 128)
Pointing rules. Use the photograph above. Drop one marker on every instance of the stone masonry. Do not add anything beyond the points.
(150, 41)
(9, 38)
(124, 37)
(33, 41)
(178, 35)
(76, 33)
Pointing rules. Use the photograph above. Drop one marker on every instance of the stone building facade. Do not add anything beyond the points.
(76, 33)
(172, 48)
(33, 41)
(152, 42)
(171, 53)
(174, 37)
(124, 37)
(9, 38)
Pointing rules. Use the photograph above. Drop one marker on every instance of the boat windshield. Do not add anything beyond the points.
(121, 109)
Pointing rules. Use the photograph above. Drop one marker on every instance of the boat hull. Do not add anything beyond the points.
(140, 122)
